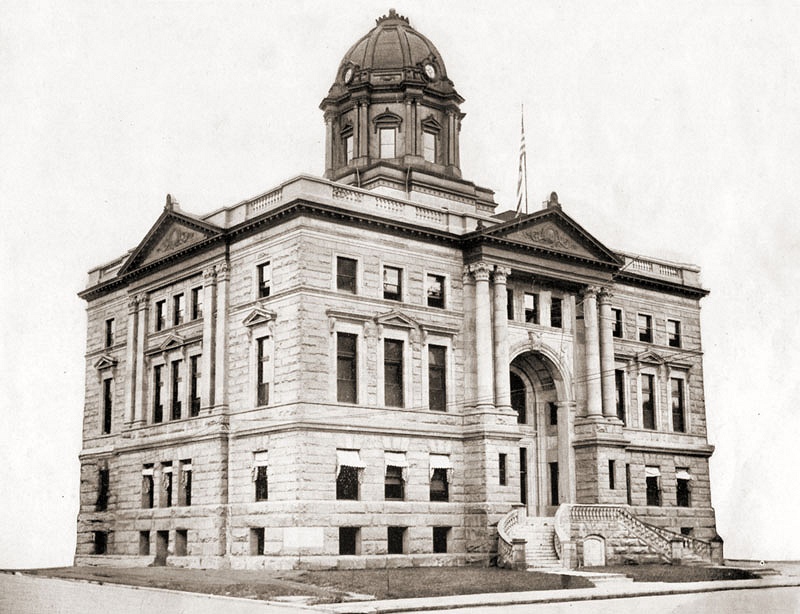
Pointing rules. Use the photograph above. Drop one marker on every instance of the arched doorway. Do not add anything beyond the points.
(537, 390)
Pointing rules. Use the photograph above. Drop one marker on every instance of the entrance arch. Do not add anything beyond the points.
(541, 396)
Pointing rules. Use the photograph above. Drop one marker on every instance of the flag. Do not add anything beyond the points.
(522, 180)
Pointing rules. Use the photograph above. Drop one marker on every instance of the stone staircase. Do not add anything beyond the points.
(538, 534)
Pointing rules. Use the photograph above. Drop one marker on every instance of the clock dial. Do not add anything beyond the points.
(348, 75)
(430, 71)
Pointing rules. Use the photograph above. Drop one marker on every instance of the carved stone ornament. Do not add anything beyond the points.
(604, 295)
(210, 275)
(222, 271)
(481, 270)
(501, 273)
(133, 303)
(535, 340)
(549, 236)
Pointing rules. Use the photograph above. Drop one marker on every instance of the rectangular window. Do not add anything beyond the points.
(166, 485)
(394, 486)
(147, 487)
(612, 478)
(553, 411)
(387, 139)
(144, 543)
(648, 402)
(523, 476)
(262, 483)
(628, 483)
(348, 148)
(652, 479)
(347, 483)
(531, 308)
(100, 542)
(435, 291)
(257, 541)
(346, 274)
(262, 368)
(392, 283)
(197, 303)
(617, 330)
(555, 312)
(554, 483)
(645, 327)
(687, 531)
(510, 303)
(194, 368)
(181, 542)
(178, 309)
(161, 317)
(678, 413)
(177, 389)
(264, 279)
(392, 373)
(683, 487)
(158, 383)
(102, 491)
(619, 387)
(501, 467)
(437, 377)
(185, 484)
(346, 368)
(395, 540)
(107, 406)
(349, 540)
(439, 490)
(674, 333)
(429, 147)
(109, 332)
(441, 535)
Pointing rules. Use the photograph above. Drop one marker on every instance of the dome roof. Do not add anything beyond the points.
(392, 46)
(393, 43)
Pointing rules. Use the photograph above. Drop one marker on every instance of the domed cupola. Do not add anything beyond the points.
(392, 106)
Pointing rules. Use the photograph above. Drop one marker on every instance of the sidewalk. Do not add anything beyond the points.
(607, 590)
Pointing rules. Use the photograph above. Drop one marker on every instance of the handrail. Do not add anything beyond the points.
(505, 548)
(561, 522)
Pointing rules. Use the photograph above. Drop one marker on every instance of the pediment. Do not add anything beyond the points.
(552, 230)
(172, 233)
(259, 316)
(651, 357)
(396, 319)
(105, 362)
(172, 341)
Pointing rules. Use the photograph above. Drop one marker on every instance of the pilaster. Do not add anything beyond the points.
(131, 359)
(220, 344)
(140, 394)
(502, 385)
(207, 359)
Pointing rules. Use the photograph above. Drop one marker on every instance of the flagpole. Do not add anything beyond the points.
(522, 119)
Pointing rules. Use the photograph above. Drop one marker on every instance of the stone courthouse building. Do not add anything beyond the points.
(377, 368)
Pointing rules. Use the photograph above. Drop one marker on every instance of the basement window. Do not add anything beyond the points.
(441, 535)
(349, 540)
(100, 542)
(181, 542)
(257, 541)
(396, 540)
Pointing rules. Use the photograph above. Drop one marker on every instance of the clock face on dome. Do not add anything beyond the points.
(348, 75)
(430, 71)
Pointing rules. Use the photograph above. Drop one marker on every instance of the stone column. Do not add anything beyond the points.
(209, 340)
(220, 342)
(329, 144)
(470, 368)
(140, 399)
(483, 335)
(130, 359)
(594, 401)
(607, 355)
(566, 471)
(502, 385)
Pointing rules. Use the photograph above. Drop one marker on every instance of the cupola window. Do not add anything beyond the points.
(387, 140)
(349, 143)
(429, 147)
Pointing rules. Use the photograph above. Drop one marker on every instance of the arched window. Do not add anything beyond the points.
(387, 125)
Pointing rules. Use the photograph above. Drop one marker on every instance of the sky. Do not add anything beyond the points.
(669, 129)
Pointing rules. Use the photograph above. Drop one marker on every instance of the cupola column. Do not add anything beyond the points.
(607, 355)
(483, 335)
(594, 402)
(502, 383)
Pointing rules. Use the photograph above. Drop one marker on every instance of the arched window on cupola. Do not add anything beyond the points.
(387, 126)
(431, 129)
(348, 142)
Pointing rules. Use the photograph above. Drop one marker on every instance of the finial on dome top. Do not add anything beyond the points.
(392, 15)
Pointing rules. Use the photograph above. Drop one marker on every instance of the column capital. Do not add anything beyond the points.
(604, 295)
(141, 302)
(133, 303)
(481, 270)
(590, 291)
(210, 275)
(222, 271)
(501, 273)
(466, 276)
